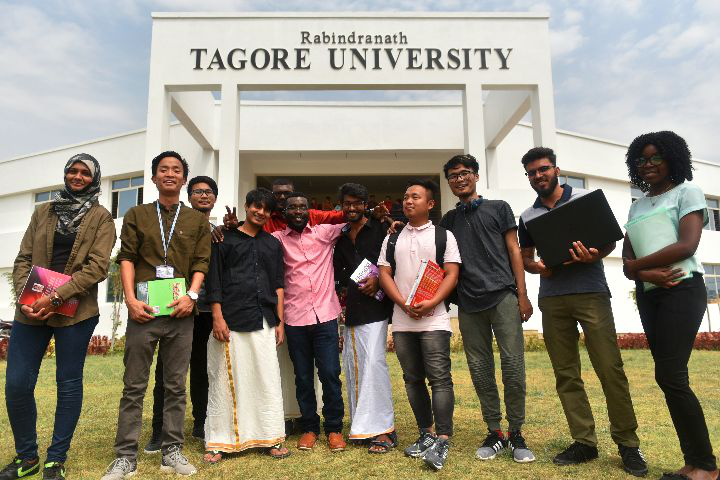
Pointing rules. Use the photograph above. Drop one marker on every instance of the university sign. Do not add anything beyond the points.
(353, 51)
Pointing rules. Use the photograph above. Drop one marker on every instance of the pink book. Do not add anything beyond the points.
(41, 282)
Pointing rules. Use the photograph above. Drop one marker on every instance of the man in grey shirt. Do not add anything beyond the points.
(571, 294)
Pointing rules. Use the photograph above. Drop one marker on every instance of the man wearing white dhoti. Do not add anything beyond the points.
(366, 324)
(245, 290)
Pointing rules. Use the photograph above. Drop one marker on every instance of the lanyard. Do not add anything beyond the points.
(166, 245)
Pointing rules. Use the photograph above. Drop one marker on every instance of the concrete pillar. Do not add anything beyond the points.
(474, 128)
(543, 115)
(157, 137)
(228, 170)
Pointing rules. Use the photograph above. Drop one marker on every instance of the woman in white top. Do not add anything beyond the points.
(670, 289)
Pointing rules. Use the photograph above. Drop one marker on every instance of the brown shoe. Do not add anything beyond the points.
(336, 442)
(307, 441)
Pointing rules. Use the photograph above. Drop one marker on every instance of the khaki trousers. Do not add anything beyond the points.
(560, 317)
(174, 336)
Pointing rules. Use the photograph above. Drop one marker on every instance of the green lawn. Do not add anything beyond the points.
(546, 430)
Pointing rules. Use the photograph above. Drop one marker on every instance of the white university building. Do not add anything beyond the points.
(203, 66)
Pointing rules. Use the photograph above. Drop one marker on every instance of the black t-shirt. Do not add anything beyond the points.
(485, 274)
(360, 308)
(62, 246)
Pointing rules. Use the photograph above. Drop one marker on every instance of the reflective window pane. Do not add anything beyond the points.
(136, 182)
(126, 200)
(712, 202)
(42, 196)
(123, 183)
(711, 287)
(576, 182)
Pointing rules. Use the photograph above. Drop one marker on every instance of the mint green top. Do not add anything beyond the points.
(677, 202)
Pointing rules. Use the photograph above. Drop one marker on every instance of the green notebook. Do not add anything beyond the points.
(159, 293)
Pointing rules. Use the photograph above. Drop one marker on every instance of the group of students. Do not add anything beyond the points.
(259, 329)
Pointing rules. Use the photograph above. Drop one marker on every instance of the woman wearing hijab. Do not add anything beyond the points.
(73, 234)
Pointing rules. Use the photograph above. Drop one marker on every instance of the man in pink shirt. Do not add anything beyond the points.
(311, 328)
(421, 333)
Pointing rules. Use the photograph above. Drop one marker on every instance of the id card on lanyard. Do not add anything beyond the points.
(165, 270)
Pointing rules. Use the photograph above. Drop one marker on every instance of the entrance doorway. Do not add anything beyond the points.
(323, 190)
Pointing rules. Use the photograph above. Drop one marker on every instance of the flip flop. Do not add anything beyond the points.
(278, 456)
(384, 444)
(212, 454)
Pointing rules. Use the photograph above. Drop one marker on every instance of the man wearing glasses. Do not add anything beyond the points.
(491, 299)
(202, 194)
(571, 294)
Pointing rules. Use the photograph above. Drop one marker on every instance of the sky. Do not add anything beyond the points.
(74, 70)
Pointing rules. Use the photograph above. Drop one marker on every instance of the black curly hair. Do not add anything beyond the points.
(671, 146)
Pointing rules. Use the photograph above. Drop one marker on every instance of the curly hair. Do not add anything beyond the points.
(671, 146)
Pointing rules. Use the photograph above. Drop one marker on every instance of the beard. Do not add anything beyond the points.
(545, 192)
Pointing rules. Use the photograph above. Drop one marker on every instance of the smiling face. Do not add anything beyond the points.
(353, 208)
(543, 176)
(256, 214)
(296, 213)
(653, 174)
(417, 202)
(462, 181)
(170, 176)
(78, 177)
(202, 197)
(281, 192)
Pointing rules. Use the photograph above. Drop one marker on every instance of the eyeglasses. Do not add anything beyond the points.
(456, 177)
(543, 169)
(200, 192)
(356, 204)
(655, 160)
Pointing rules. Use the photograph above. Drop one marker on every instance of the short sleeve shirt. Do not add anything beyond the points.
(485, 275)
(414, 245)
(679, 201)
(565, 279)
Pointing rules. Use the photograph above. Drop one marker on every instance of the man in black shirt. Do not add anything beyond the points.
(492, 298)
(366, 323)
(245, 291)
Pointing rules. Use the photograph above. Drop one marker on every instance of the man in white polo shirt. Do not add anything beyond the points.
(422, 333)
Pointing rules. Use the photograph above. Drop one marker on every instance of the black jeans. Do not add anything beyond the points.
(671, 319)
(313, 346)
(25, 353)
(198, 376)
(427, 355)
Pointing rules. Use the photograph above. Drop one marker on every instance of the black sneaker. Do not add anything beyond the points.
(53, 471)
(576, 453)
(436, 456)
(633, 461)
(520, 451)
(421, 445)
(155, 444)
(493, 444)
(199, 432)
(20, 468)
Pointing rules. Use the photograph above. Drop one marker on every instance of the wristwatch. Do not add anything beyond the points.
(55, 300)
(193, 295)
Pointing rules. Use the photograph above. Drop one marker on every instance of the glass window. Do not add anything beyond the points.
(575, 182)
(46, 196)
(126, 193)
(713, 206)
(712, 282)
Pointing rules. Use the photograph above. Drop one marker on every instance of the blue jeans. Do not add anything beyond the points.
(313, 346)
(26, 349)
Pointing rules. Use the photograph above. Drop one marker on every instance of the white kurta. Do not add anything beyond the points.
(368, 380)
(245, 401)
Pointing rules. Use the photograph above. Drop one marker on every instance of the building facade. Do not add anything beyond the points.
(497, 66)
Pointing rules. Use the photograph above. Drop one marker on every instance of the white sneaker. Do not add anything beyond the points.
(120, 469)
(173, 461)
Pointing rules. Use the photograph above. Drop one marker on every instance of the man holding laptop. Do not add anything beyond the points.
(572, 293)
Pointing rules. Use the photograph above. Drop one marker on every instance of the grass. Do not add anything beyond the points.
(546, 430)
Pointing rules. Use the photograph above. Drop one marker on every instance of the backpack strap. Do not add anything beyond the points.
(390, 251)
(440, 245)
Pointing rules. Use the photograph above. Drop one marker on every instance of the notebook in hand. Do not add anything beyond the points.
(587, 219)
(43, 282)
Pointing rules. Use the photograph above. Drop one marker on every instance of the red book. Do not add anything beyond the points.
(426, 283)
(42, 282)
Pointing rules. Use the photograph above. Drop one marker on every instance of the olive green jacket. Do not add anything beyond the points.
(88, 263)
